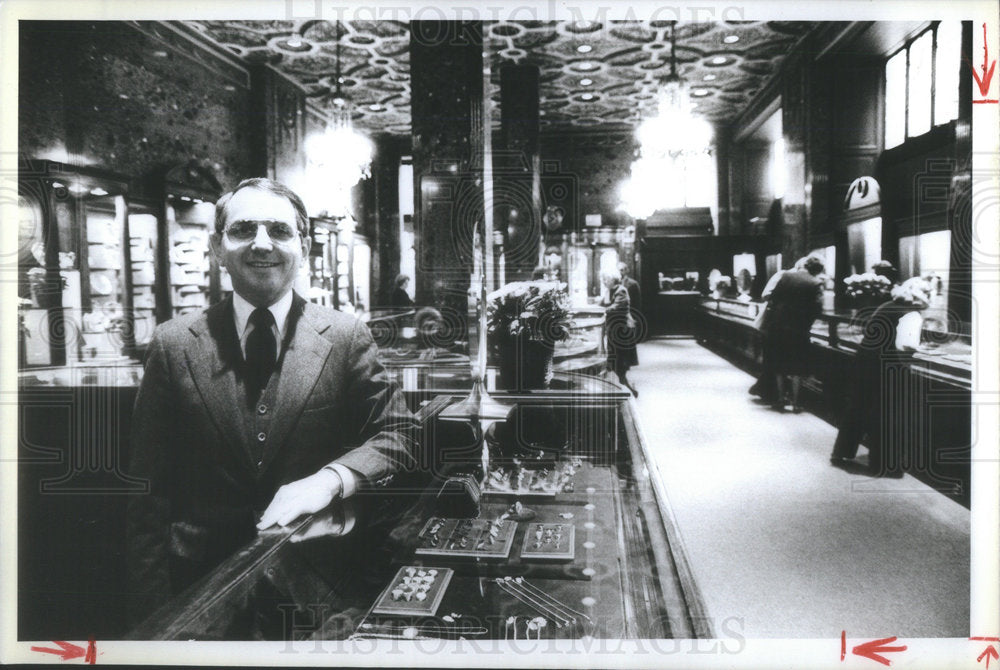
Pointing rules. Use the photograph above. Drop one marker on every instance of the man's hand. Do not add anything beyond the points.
(304, 496)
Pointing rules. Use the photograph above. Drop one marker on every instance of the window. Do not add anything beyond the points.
(778, 168)
(921, 83)
(928, 255)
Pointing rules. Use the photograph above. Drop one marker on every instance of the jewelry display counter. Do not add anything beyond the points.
(569, 535)
(940, 375)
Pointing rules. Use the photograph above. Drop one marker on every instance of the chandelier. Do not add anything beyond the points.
(668, 143)
(675, 131)
(338, 157)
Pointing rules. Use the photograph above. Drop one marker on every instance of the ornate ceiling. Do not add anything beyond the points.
(591, 74)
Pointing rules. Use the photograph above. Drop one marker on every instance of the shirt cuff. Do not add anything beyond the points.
(348, 479)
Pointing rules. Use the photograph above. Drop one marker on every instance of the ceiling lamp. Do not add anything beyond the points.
(667, 143)
(338, 157)
(674, 131)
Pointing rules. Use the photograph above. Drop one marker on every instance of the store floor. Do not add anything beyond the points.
(781, 543)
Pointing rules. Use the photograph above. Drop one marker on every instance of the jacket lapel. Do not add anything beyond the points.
(304, 356)
(213, 362)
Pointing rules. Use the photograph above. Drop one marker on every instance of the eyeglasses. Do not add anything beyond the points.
(245, 231)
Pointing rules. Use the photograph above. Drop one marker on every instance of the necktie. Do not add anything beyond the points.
(261, 352)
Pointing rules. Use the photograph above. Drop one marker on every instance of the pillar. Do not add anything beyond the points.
(446, 81)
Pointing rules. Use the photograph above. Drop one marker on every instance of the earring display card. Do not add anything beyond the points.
(549, 542)
(414, 591)
(479, 538)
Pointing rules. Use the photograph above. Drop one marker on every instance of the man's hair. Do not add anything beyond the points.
(401, 279)
(270, 186)
(813, 265)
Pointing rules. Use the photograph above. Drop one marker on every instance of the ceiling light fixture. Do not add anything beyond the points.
(338, 157)
(586, 82)
(666, 142)
(731, 39)
(585, 48)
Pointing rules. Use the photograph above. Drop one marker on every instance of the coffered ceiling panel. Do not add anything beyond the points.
(591, 74)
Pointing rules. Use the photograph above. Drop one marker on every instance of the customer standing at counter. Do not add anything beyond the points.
(765, 386)
(795, 303)
(891, 335)
(619, 329)
(256, 411)
(634, 301)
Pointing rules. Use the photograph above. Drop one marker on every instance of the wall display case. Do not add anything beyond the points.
(597, 556)
(35, 290)
(195, 281)
(144, 243)
(104, 290)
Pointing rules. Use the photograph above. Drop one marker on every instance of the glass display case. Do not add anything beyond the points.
(583, 350)
(570, 537)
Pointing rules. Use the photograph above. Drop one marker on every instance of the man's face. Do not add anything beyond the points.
(262, 267)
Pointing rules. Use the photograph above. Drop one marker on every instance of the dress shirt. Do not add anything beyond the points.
(241, 316)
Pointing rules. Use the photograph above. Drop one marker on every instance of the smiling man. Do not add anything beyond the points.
(256, 411)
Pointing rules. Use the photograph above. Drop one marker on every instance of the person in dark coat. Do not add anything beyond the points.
(635, 302)
(619, 330)
(795, 303)
(882, 363)
(765, 385)
(400, 298)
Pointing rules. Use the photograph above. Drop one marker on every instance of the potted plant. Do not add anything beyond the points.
(867, 289)
(524, 320)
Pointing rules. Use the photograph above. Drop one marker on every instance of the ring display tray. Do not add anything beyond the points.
(414, 591)
(549, 542)
(467, 538)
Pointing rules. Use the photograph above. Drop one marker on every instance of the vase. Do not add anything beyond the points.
(524, 364)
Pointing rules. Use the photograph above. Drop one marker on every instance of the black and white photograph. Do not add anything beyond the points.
(500, 335)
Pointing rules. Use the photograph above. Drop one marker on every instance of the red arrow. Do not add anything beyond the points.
(988, 68)
(873, 649)
(990, 651)
(68, 650)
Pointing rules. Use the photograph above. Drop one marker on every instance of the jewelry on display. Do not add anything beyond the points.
(565, 608)
(507, 584)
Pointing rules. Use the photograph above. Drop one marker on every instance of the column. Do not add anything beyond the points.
(446, 81)
(517, 188)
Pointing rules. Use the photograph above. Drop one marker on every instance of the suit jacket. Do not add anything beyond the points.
(334, 402)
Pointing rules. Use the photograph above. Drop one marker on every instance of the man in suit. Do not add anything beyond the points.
(256, 411)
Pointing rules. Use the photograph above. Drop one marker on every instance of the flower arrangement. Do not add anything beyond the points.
(537, 310)
(867, 287)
